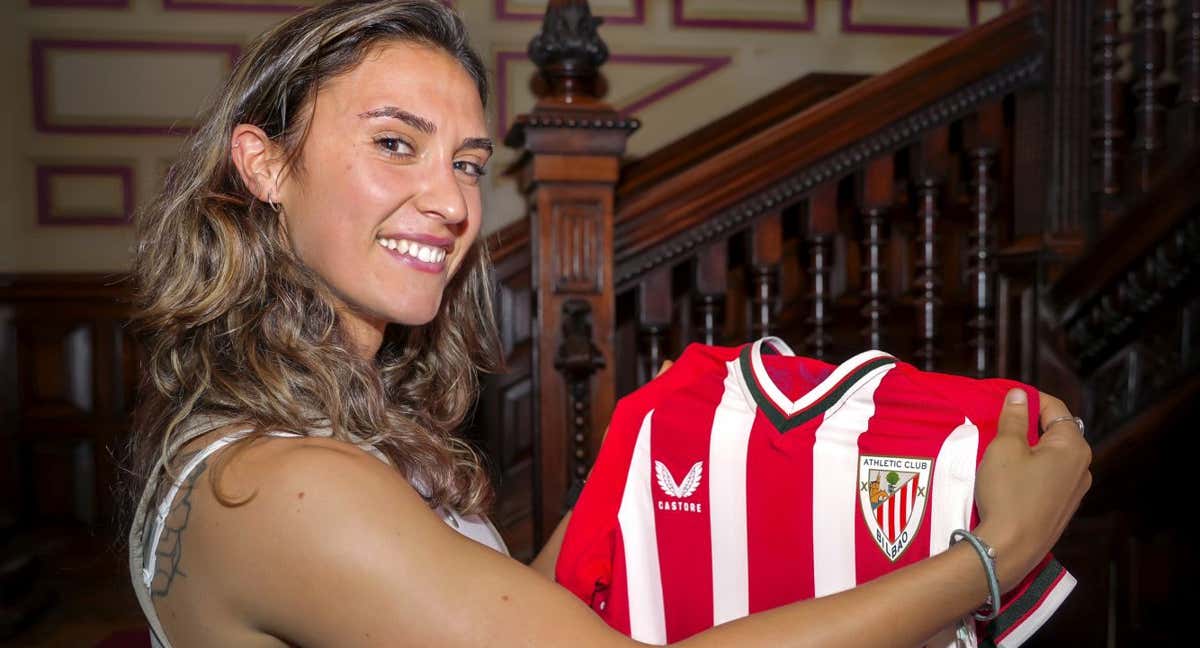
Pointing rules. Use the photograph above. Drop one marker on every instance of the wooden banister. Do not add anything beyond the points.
(753, 118)
(826, 141)
(1147, 254)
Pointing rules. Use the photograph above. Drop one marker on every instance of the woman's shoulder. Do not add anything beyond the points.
(269, 517)
(275, 464)
(320, 494)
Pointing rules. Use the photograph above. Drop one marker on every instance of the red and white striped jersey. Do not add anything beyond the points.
(742, 479)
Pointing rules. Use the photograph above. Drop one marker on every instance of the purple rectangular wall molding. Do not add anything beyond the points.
(44, 173)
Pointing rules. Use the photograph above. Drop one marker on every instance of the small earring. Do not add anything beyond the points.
(272, 203)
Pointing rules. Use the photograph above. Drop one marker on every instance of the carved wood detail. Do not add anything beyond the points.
(1146, 258)
(577, 246)
(578, 358)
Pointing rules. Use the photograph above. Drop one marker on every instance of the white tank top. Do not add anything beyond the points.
(147, 530)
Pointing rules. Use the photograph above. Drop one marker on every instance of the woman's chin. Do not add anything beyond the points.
(412, 313)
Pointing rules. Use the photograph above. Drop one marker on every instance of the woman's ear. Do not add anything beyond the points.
(257, 161)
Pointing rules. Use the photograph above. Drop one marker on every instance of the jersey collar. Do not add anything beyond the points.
(787, 414)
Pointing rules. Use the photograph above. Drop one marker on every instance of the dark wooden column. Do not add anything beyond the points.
(572, 143)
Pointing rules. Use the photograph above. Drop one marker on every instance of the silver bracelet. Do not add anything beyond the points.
(988, 556)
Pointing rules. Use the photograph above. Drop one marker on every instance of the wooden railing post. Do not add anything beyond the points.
(874, 202)
(1187, 68)
(766, 251)
(572, 143)
(932, 162)
(1149, 59)
(822, 226)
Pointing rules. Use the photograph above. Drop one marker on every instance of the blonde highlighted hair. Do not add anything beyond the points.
(237, 330)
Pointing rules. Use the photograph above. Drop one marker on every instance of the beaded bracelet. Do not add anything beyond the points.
(988, 556)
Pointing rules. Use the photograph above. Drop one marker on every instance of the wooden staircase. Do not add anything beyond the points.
(1003, 205)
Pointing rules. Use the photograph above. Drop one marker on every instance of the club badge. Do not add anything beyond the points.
(893, 491)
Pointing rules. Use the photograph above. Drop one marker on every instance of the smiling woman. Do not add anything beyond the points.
(314, 306)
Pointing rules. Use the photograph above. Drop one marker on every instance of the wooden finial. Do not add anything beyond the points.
(569, 52)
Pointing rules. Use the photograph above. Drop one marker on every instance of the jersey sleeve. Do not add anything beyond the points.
(585, 560)
(1034, 600)
(590, 545)
(1028, 606)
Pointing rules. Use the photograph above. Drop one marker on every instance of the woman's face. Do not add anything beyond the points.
(387, 203)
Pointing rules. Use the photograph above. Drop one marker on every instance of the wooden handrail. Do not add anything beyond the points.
(695, 147)
(749, 120)
(882, 113)
(1144, 257)
(1132, 237)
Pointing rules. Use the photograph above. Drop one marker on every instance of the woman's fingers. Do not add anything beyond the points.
(1060, 432)
(1013, 426)
(1028, 495)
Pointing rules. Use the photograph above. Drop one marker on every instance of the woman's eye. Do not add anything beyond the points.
(393, 145)
(470, 168)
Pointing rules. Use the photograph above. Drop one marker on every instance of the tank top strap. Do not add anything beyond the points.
(143, 556)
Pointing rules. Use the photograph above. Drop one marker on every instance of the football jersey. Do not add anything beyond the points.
(742, 479)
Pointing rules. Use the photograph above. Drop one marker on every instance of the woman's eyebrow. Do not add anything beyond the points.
(416, 121)
(481, 143)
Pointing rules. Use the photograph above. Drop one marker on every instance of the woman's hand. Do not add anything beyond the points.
(1027, 495)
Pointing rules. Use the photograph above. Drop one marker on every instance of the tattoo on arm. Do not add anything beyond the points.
(169, 551)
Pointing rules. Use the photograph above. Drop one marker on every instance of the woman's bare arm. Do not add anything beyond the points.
(544, 562)
(337, 550)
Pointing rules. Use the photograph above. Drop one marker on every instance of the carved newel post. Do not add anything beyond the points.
(571, 146)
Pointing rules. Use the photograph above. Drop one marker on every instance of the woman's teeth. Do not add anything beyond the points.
(426, 253)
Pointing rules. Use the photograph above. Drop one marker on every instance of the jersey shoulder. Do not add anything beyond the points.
(980, 400)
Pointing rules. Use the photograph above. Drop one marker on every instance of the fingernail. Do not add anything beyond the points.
(1015, 397)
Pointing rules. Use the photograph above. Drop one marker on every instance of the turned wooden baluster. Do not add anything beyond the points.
(654, 322)
(1149, 54)
(822, 225)
(980, 260)
(1187, 68)
(986, 136)
(932, 159)
(709, 297)
(875, 201)
(1107, 131)
(766, 251)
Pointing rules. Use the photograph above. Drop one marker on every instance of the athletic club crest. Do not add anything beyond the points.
(893, 491)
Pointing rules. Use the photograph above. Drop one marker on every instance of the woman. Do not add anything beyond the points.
(314, 306)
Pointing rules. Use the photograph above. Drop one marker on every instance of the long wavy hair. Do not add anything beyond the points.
(237, 330)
